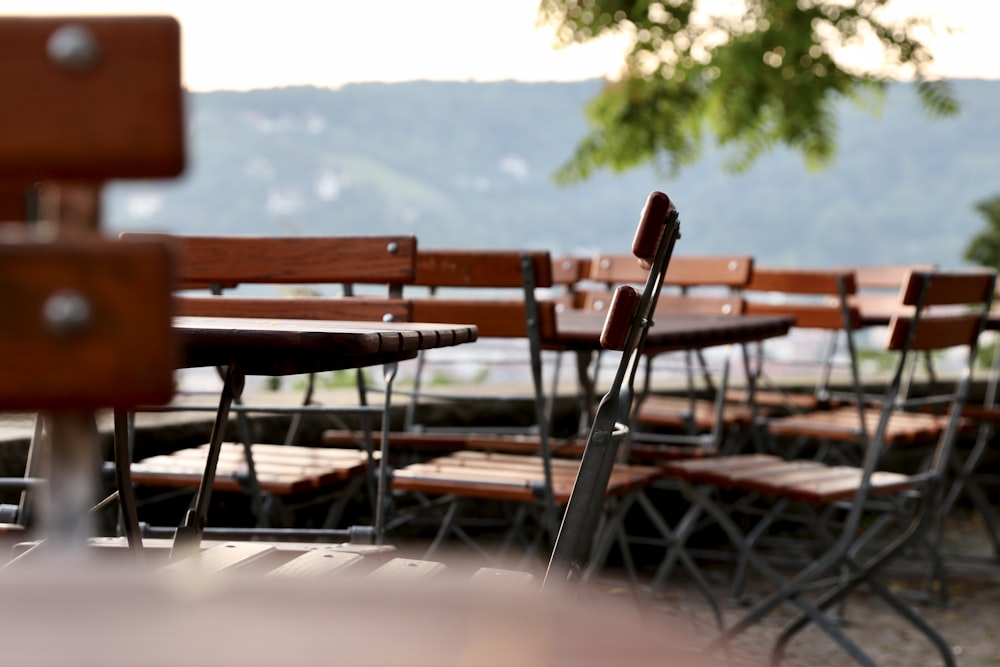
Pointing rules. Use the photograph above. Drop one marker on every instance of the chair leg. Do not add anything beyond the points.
(791, 590)
(123, 474)
(188, 535)
(675, 540)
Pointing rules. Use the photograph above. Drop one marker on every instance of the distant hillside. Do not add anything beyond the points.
(470, 164)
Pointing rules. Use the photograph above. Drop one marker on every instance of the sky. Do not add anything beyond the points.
(241, 44)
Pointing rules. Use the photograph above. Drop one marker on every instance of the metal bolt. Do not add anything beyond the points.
(66, 313)
(393, 247)
(74, 48)
(388, 317)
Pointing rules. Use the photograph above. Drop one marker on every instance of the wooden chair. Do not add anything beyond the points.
(499, 292)
(689, 415)
(886, 511)
(536, 484)
(629, 317)
(820, 300)
(89, 327)
(281, 478)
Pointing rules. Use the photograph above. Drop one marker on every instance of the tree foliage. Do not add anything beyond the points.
(754, 80)
(984, 248)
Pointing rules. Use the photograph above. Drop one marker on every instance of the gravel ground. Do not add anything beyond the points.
(967, 621)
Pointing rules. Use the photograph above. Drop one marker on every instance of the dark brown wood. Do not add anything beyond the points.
(582, 330)
(811, 296)
(808, 315)
(651, 226)
(569, 270)
(299, 308)
(288, 347)
(121, 117)
(480, 268)
(85, 324)
(618, 323)
(801, 281)
(885, 277)
(15, 198)
(494, 318)
(235, 260)
(949, 287)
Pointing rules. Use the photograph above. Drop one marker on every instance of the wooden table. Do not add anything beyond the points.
(273, 347)
(580, 331)
(670, 333)
(288, 347)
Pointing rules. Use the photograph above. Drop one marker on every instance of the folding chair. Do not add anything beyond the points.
(849, 506)
(499, 292)
(281, 479)
(691, 415)
(820, 351)
(537, 482)
(629, 317)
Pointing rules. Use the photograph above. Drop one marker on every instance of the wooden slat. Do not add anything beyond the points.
(494, 318)
(949, 287)
(317, 562)
(844, 424)
(675, 411)
(480, 268)
(282, 469)
(508, 477)
(119, 115)
(229, 556)
(99, 307)
(297, 308)
(801, 281)
(408, 569)
(290, 260)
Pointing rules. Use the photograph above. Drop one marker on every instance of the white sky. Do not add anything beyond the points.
(242, 44)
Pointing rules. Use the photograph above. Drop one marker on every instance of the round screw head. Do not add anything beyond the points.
(66, 313)
(74, 48)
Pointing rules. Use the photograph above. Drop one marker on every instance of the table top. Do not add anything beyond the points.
(286, 347)
(582, 330)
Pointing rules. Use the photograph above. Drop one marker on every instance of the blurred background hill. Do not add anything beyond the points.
(471, 164)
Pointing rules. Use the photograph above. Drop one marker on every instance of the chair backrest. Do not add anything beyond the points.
(694, 284)
(97, 98)
(494, 289)
(816, 298)
(569, 272)
(629, 317)
(949, 311)
(497, 290)
(732, 271)
(879, 286)
(820, 301)
(229, 261)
